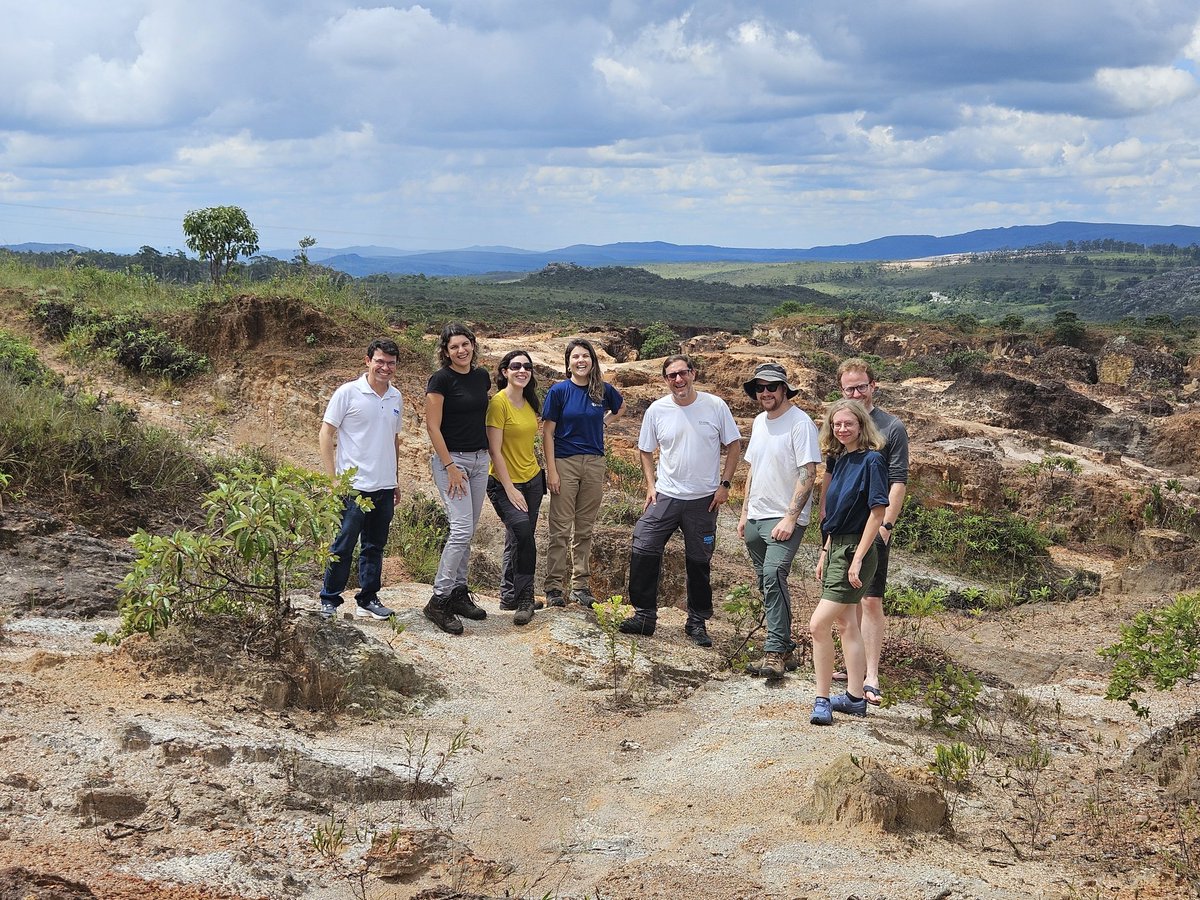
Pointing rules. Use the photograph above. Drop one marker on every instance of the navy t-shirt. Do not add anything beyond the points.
(464, 407)
(858, 484)
(578, 420)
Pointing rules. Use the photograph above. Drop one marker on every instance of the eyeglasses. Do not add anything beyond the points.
(384, 363)
(677, 376)
(759, 388)
(852, 389)
(518, 367)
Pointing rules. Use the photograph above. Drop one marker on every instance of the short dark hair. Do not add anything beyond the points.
(678, 357)
(387, 346)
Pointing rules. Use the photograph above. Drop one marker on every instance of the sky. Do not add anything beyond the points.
(544, 123)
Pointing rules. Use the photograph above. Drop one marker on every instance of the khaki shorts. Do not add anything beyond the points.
(836, 585)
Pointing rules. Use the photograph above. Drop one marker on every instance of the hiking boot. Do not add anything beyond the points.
(372, 609)
(772, 666)
(554, 597)
(462, 603)
(583, 597)
(638, 624)
(524, 611)
(822, 713)
(843, 704)
(511, 605)
(789, 664)
(698, 633)
(328, 610)
(437, 611)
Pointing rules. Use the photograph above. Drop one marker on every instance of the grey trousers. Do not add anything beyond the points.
(772, 563)
(699, 528)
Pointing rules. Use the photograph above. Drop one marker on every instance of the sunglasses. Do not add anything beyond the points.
(519, 367)
(759, 388)
(676, 376)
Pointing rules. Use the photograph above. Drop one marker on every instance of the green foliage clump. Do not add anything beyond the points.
(263, 535)
(132, 340)
(1160, 646)
(659, 339)
(419, 532)
(220, 234)
(90, 457)
(20, 361)
(974, 542)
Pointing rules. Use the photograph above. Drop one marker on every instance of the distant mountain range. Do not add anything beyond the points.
(371, 260)
(360, 261)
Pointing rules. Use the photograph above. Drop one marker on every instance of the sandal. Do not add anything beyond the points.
(840, 677)
(873, 695)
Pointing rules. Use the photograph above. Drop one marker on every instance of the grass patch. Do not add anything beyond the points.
(419, 533)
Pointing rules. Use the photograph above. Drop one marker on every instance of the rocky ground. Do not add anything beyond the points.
(519, 765)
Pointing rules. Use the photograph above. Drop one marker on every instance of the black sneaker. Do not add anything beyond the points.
(583, 597)
(524, 611)
(698, 633)
(638, 624)
(372, 609)
(328, 609)
(462, 603)
(554, 597)
(437, 611)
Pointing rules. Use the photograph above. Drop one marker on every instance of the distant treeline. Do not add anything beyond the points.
(170, 268)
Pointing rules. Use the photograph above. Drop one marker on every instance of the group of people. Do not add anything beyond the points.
(689, 446)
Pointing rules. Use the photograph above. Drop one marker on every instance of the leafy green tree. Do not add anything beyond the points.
(220, 234)
(1067, 328)
(266, 533)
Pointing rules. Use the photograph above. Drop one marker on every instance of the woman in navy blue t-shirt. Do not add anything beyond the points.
(853, 507)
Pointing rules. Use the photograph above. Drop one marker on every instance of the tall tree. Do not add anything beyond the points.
(220, 234)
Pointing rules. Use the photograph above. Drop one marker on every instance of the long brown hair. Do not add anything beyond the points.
(869, 437)
(595, 387)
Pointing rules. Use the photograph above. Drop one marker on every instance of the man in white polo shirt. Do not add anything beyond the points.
(361, 430)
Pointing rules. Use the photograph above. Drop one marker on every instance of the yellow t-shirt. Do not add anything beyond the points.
(520, 427)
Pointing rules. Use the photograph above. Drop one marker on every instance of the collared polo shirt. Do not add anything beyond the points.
(367, 425)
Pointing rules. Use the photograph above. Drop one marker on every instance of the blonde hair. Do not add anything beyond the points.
(869, 437)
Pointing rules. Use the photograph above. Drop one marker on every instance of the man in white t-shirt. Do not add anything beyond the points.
(783, 454)
(689, 429)
(361, 430)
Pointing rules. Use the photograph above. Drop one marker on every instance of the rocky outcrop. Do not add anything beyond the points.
(1124, 363)
(859, 791)
(1051, 408)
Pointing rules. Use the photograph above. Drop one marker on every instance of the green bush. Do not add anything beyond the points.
(264, 535)
(974, 542)
(658, 339)
(419, 533)
(1161, 646)
(21, 361)
(91, 458)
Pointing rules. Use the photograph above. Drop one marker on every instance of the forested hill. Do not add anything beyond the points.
(630, 282)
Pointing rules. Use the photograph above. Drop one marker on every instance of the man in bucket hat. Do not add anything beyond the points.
(783, 454)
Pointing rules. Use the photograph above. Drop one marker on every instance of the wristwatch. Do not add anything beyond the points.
(888, 525)
(726, 485)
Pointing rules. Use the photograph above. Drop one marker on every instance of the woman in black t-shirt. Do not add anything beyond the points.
(456, 401)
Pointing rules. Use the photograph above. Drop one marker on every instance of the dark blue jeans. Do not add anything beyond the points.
(520, 550)
(372, 527)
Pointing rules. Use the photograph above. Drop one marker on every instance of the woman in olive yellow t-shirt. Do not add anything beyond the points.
(516, 482)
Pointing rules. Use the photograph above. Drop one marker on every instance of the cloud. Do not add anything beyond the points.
(451, 122)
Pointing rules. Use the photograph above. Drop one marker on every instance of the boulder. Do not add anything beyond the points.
(859, 791)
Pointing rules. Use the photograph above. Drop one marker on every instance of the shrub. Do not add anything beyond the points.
(975, 542)
(21, 361)
(90, 457)
(1161, 646)
(658, 339)
(419, 532)
(263, 534)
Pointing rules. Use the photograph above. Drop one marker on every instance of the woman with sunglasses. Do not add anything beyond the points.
(516, 483)
(855, 502)
(456, 402)
(573, 419)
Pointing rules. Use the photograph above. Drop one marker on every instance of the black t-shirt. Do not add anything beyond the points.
(464, 407)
